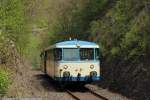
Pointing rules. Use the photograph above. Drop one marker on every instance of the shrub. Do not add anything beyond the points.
(4, 81)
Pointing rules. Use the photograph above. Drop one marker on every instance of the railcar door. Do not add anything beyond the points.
(57, 58)
(43, 62)
(52, 64)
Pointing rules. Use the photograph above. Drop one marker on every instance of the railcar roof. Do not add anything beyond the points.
(74, 44)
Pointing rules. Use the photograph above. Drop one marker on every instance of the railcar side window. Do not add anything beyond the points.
(58, 54)
(87, 54)
(97, 56)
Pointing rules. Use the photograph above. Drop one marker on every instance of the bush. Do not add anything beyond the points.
(4, 82)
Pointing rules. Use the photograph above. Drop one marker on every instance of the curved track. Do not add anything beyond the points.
(83, 93)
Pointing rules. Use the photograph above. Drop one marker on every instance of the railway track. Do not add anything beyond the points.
(85, 94)
(79, 92)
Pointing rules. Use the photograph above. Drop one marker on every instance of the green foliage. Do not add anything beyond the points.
(115, 51)
(13, 23)
(73, 18)
(4, 81)
(33, 53)
(124, 35)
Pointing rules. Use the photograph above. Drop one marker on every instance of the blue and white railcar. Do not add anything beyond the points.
(72, 61)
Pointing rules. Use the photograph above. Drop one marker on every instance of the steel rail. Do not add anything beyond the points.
(69, 92)
(98, 95)
(89, 91)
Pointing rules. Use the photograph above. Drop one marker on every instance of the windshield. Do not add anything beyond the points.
(76, 54)
(87, 54)
(71, 54)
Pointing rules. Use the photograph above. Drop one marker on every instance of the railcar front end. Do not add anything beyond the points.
(80, 63)
(73, 61)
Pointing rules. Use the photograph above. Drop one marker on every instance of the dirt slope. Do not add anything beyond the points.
(29, 83)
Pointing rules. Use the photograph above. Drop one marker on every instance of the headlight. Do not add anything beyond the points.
(66, 74)
(65, 66)
(91, 66)
(93, 74)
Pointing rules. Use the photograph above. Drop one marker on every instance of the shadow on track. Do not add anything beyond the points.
(76, 88)
(48, 83)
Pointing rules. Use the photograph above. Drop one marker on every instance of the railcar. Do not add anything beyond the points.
(72, 61)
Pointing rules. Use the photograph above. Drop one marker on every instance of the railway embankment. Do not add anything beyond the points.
(30, 83)
(128, 78)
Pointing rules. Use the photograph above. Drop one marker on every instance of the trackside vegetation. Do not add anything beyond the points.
(4, 82)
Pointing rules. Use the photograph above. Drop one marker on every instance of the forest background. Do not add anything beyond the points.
(120, 27)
